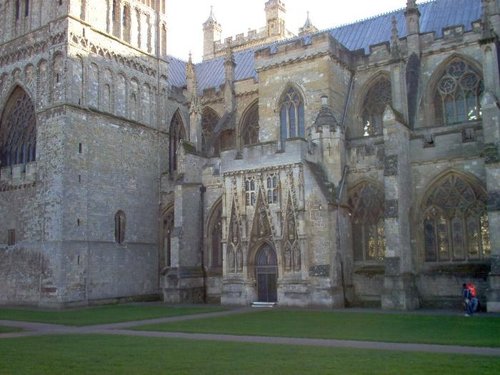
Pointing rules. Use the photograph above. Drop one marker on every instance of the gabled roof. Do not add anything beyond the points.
(435, 16)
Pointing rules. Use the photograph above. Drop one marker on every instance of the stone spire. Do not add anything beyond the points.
(395, 47)
(229, 69)
(308, 27)
(190, 77)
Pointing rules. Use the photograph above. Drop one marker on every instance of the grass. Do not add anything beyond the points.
(96, 354)
(4, 329)
(404, 328)
(101, 314)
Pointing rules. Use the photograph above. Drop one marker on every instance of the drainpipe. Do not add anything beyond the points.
(203, 190)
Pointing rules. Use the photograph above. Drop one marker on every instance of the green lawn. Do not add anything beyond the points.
(9, 329)
(101, 314)
(405, 328)
(97, 354)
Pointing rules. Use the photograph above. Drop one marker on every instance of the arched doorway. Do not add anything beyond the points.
(266, 269)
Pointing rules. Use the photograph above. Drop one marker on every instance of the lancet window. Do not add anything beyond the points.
(367, 204)
(292, 115)
(378, 97)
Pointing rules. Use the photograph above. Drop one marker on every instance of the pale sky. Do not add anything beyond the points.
(185, 18)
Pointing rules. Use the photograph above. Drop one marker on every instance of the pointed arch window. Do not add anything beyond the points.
(250, 126)
(215, 233)
(292, 115)
(176, 134)
(18, 130)
(367, 203)
(378, 97)
(209, 120)
(455, 222)
(457, 97)
(120, 222)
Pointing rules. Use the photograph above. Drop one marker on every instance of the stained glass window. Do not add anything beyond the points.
(367, 204)
(250, 126)
(458, 93)
(456, 222)
(18, 130)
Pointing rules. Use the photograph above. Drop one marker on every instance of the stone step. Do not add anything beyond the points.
(264, 304)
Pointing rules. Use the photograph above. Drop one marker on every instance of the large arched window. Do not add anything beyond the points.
(250, 126)
(291, 115)
(176, 134)
(378, 97)
(455, 222)
(457, 96)
(209, 120)
(368, 233)
(18, 130)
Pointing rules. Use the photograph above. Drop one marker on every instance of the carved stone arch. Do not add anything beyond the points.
(427, 105)
(367, 205)
(283, 89)
(18, 129)
(248, 129)
(134, 99)
(209, 120)
(375, 95)
(176, 134)
(213, 238)
(29, 75)
(121, 94)
(454, 219)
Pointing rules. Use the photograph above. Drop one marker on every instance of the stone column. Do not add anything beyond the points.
(400, 291)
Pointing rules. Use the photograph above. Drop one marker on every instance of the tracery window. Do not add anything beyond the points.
(458, 93)
(18, 130)
(250, 126)
(176, 134)
(209, 121)
(368, 233)
(456, 222)
(378, 97)
(250, 191)
(120, 221)
(291, 115)
(272, 189)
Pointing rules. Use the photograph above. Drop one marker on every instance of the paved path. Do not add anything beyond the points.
(40, 329)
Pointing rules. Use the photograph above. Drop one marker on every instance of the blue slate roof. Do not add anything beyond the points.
(435, 16)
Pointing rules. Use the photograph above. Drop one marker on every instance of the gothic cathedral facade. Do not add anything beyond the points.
(353, 166)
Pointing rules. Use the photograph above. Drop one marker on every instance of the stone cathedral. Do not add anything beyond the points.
(352, 166)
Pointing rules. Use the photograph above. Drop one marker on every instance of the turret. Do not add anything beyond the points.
(275, 17)
(308, 27)
(229, 68)
(212, 33)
